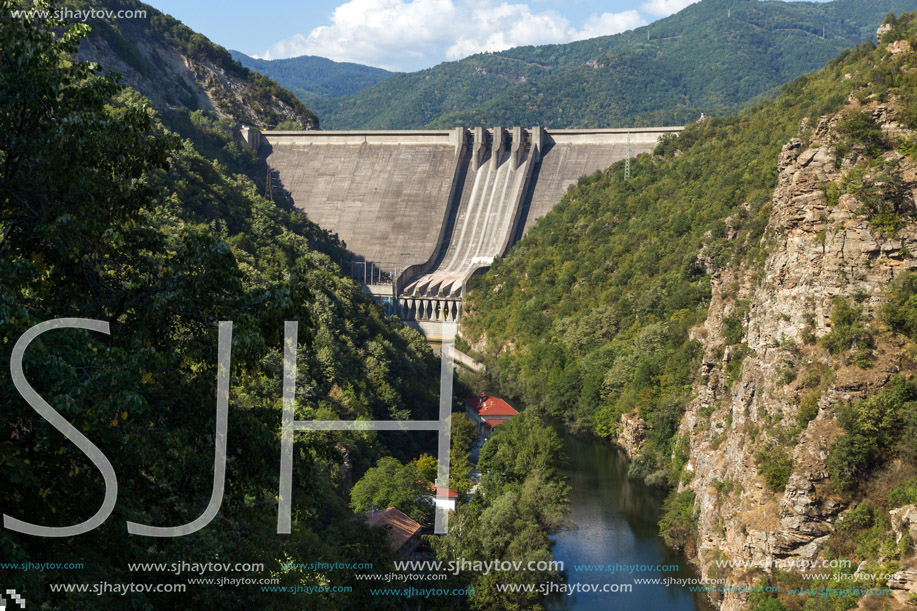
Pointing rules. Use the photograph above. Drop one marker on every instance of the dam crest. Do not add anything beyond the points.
(422, 211)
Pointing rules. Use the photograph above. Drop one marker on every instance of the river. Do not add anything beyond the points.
(616, 523)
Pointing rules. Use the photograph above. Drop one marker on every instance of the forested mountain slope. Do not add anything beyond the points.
(315, 77)
(711, 56)
(740, 317)
(107, 215)
(174, 66)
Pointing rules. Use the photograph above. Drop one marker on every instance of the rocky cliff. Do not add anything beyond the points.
(769, 403)
(174, 66)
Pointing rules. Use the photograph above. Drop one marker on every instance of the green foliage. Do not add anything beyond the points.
(857, 128)
(847, 332)
(761, 600)
(427, 466)
(733, 367)
(864, 533)
(878, 428)
(808, 409)
(885, 196)
(770, 604)
(520, 446)
(832, 194)
(733, 328)
(900, 312)
(105, 214)
(679, 520)
(712, 56)
(517, 506)
(392, 484)
(775, 466)
(460, 478)
(464, 432)
(903, 494)
(309, 76)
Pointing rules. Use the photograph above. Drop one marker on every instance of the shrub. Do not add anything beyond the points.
(808, 409)
(679, 521)
(903, 494)
(847, 332)
(775, 466)
(876, 429)
(733, 328)
(858, 128)
(900, 312)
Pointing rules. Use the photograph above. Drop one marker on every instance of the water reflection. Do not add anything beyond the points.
(616, 523)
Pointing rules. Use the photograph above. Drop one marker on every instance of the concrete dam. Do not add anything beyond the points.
(422, 211)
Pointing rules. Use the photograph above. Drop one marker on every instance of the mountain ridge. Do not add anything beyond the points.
(311, 76)
(767, 45)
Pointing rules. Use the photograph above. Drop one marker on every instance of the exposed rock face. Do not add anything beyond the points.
(818, 252)
(345, 470)
(904, 522)
(633, 434)
(904, 586)
(169, 77)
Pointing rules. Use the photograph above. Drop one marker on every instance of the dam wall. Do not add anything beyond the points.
(385, 194)
(487, 215)
(430, 208)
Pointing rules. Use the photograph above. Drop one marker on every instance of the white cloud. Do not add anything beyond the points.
(610, 23)
(664, 8)
(411, 34)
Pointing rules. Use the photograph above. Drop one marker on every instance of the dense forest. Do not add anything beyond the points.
(108, 214)
(712, 56)
(587, 319)
(315, 77)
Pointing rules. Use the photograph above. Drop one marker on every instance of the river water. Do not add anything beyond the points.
(616, 523)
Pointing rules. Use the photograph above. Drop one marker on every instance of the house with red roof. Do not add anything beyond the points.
(487, 413)
(401, 530)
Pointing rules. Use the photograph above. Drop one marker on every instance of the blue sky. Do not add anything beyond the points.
(406, 34)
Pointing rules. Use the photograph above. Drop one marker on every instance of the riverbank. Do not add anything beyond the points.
(616, 524)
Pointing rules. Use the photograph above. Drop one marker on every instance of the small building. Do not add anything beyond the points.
(447, 498)
(401, 529)
(487, 413)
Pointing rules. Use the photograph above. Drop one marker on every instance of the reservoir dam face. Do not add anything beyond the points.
(423, 210)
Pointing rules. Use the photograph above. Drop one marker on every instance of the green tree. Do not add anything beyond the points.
(105, 214)
(392, 484)
(524, 444)
(427, 465)
(464, 433)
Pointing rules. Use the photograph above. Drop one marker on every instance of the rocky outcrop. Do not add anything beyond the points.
(632, 434)
(903, 585)
(196, 75)
(904, 522)
(819, 250)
